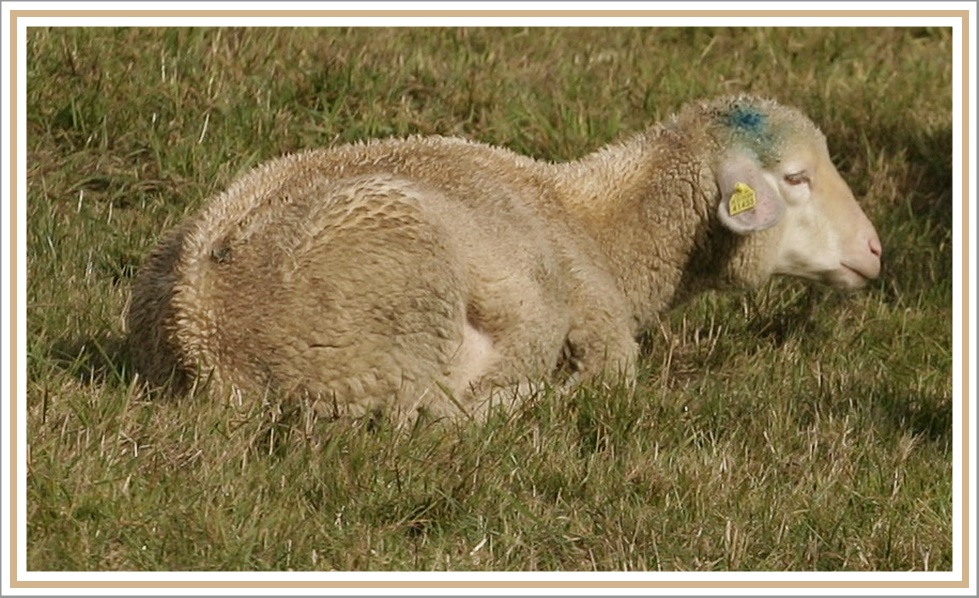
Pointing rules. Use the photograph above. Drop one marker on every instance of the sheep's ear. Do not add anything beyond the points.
(749, 203)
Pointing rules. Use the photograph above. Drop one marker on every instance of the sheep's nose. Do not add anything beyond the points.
(871, 268)
(875, 247)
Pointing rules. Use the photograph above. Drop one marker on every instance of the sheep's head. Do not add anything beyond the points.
(775, 174)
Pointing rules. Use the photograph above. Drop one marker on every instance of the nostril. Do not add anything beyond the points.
(875, 247)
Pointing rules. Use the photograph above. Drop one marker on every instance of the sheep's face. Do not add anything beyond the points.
(825, 236)
(818, 229)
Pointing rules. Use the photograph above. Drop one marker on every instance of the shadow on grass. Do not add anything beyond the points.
(918, 232)
(930, 154)
(94, 359)
(928, 417)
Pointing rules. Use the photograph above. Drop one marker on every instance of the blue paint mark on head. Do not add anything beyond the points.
(750, 127)
(747, 119)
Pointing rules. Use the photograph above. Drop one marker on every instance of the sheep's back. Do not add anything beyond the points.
(362, 246)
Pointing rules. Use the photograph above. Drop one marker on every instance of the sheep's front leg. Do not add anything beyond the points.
(601, 347)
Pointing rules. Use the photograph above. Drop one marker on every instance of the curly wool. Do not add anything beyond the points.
(430, 272)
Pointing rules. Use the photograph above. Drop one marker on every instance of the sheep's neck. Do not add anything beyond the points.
(651, 243)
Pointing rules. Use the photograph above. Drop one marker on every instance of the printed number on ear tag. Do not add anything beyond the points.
(742, 200)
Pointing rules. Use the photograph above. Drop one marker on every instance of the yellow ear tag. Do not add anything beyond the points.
(742, 200)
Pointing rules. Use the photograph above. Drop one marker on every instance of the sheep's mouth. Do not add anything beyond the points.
(848, 277)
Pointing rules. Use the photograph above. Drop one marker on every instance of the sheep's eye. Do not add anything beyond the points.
(797, 178)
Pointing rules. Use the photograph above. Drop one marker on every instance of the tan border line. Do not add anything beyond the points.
(484, 13)
(14, 524)
(965, 297)
(488, 584)
(15, 583)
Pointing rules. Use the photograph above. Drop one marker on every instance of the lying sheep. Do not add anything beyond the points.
(435, 273)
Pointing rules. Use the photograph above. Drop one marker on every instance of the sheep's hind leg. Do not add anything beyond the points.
(522, 367)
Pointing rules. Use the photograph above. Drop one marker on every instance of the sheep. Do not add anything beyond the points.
(440, 275)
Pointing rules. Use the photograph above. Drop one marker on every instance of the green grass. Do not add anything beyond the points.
(791, 428)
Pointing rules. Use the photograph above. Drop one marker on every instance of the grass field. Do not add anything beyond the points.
(791, 428)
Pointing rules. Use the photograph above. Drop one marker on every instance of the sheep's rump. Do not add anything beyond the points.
(364, 291)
